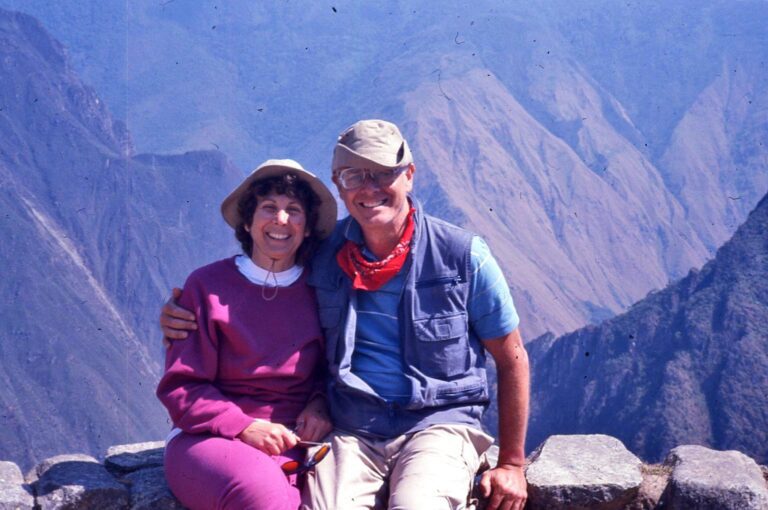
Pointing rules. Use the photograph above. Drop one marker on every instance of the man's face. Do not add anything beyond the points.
(379, 208)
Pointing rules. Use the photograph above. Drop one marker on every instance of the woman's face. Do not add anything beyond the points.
(278, 228)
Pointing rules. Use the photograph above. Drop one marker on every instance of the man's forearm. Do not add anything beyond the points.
(513, 375)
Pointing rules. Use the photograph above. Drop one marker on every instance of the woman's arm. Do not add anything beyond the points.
(187, 388)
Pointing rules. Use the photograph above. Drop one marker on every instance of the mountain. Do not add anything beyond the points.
(92, 237)
(686, 365)
(602, 148)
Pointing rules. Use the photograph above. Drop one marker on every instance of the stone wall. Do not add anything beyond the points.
(566, 472)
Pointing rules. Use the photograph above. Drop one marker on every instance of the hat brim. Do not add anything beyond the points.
(326, 217)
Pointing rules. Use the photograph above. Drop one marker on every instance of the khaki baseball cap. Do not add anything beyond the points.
(371, 144)
(326, 212)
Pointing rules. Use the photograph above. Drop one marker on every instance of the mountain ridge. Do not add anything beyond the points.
(86, 227)
(582, 181)
(687, 363)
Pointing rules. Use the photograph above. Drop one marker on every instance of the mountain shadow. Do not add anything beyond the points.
(93, 237)
(685, 365)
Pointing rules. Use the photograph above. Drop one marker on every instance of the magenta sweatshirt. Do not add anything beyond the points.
(249, 358)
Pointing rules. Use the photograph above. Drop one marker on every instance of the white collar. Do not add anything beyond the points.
(260, 276)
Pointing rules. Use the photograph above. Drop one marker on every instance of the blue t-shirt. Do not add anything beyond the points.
(377, 359)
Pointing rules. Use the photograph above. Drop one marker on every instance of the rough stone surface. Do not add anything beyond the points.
(126, 458)
(655, 479)
(14, 494)
(76, 482)
(582, 471)
(714, 480)
(566, 472)
(150, 491)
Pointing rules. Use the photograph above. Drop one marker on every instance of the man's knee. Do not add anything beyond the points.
(415, 494)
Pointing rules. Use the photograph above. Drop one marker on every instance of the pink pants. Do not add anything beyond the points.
(209, 472)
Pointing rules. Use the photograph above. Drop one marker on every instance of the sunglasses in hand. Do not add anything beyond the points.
(318, 453)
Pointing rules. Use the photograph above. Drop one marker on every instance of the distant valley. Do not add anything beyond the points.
(686, 364)
(594, 184)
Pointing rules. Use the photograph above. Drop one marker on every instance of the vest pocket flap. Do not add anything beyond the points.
(441, 328)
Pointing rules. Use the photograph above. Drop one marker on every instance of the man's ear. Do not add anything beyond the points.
(409, 175)
(335, 180)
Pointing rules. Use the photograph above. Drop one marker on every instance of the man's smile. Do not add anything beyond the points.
(372, 204)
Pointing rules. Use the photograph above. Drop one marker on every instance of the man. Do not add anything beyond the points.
(409, 305)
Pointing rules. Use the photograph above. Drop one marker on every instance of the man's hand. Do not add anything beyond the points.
(313, 423)
(175, 321)
(506, 487)
(270, 438)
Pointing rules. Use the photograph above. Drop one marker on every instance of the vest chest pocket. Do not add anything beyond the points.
(441, 296)
(442, 348)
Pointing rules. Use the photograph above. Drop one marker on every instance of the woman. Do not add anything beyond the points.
(249, 375)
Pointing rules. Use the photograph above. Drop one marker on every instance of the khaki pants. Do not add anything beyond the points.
(431, 469)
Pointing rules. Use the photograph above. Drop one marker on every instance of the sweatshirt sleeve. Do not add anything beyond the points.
(188, 387)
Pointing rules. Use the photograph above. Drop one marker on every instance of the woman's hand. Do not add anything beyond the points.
(313, 423)
(270, 438)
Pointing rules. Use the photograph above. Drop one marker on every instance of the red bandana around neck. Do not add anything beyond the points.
(367, 275)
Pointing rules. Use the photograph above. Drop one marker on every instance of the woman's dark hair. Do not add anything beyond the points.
(289, 185)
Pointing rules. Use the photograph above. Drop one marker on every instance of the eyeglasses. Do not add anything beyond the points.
(353, 178)
(295, 466)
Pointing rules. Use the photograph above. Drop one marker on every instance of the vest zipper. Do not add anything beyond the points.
(454, 280)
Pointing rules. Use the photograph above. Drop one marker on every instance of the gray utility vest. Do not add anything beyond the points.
(443, 359)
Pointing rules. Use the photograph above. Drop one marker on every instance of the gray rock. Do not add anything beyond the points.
(126, 458)
(14, 493)
(149, 490)
(708, 479)
(655, 480)
(582, 472)
(76, 481)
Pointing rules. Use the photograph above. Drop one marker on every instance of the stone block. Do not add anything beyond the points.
(708, 479)
(149, 490)
(14, 493)
(575, 472)
(76, 482)
(655, 480)
(126, 458)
